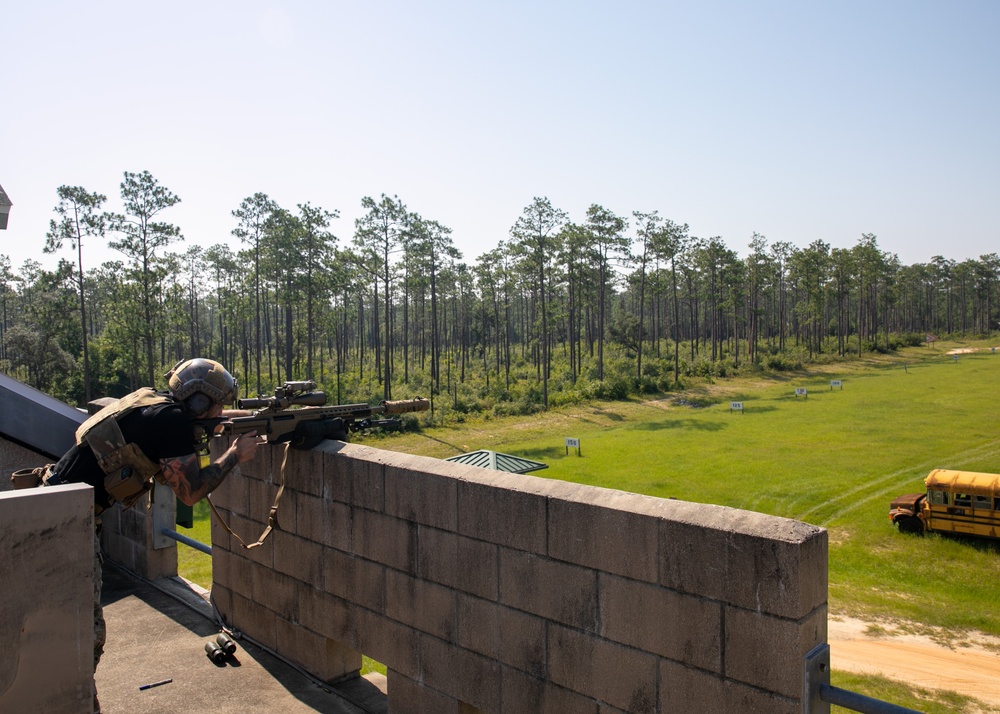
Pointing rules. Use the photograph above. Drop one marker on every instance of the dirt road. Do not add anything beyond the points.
(966, 667)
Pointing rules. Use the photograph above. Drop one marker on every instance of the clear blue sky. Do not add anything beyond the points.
(797, 120)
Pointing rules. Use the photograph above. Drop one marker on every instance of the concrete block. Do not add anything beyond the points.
(788, 571)
(298, 557)
(682, 627)
(385, 539)
(133, 525)
(327, 616)
(160, 562)
(422, 605)
(502, 633)
(304, 471)
(354, 474)
(620, 676)
(420, 489)
(460, 673)
(356, 580)
(747, 559)
(262, 495)
(502, 515)
(520, 692)
(141, 559)
(606, 530)
(563, 593)
(683, 689)
(119, 549)
(391, 643)
(767, 652)
(46, 621)
(253, 619)
(406, 696)
(338, 470)
(275, 591)
(326, 659)
(744, 699)
(233, 494)
(222, 597)
(111, 519)
(233, 571)
(459, 562)
(326, 522)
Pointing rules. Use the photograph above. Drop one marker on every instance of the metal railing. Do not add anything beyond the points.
(196, 544)
(818, 693)
(165, 520)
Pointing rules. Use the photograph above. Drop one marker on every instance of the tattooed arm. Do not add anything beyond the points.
(191, 483)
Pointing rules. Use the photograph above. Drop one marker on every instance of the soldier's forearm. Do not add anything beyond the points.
(212, 476)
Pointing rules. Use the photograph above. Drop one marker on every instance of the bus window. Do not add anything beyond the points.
(982, 502)
(962, 499)
(938, 498)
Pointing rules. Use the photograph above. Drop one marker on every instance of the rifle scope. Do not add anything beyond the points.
(309, 399)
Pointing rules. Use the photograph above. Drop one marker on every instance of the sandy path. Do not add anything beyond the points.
(967, 668)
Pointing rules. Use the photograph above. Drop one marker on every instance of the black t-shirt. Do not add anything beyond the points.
(162, 431)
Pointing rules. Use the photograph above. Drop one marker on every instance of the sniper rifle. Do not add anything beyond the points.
(311, 422)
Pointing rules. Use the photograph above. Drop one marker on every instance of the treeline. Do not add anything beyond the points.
(605, 306)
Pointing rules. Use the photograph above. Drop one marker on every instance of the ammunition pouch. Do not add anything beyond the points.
(128, 474)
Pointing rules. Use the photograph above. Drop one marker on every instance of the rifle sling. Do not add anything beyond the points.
(272, 518)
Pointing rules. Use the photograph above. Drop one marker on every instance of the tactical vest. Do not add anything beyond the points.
(128, 473)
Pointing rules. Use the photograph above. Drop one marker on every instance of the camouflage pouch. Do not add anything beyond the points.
(29, 478)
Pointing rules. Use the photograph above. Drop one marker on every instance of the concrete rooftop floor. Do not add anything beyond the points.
(158, 631)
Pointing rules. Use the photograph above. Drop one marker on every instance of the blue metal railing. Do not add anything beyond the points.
(817, 692)
(196, 544)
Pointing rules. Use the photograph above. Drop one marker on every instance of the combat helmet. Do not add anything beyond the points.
(200, 384)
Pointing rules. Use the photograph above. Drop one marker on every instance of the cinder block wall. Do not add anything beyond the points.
(47, 620)
(491, 592)
(127, 538)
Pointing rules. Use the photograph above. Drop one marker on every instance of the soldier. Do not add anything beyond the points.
(149, 435)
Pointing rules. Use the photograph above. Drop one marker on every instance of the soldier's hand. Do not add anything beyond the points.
(246, 446)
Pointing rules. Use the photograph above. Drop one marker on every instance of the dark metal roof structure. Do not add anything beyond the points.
(498, 462)
(37, 420)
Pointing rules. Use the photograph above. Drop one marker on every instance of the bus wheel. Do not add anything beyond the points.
(910, 524)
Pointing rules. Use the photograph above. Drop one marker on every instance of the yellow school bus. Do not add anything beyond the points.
(955, 502)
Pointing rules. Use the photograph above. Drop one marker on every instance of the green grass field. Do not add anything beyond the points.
(834, 458)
